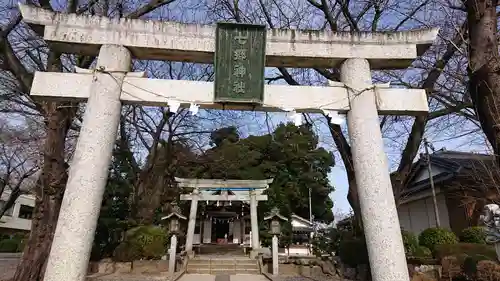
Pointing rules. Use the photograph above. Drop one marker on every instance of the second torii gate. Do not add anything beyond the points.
(254, 187)
(112, 84)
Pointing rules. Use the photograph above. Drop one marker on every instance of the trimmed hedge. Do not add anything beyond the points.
(422, 252)
(353, 252)
(142, 242)
(410, 242)
(470, 264)
(127, 251)
(467, 249)
(435, 236)
(475, 234)
(9, 245)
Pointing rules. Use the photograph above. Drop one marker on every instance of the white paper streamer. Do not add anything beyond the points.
(193, 108)
(297, 118)
(173, 105)
(335, 118)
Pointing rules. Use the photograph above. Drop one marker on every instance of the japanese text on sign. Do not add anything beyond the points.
(239, 63)
(239, 56)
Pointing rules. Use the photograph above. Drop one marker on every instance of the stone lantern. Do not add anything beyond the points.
(173, 222)
(275, 219)
(491, 219)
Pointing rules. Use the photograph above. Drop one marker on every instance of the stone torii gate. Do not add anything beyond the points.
(254, 196)
(117, 41)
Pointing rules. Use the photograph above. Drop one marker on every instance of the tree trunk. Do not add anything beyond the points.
(484, 67)
(148, 202)
(49, 192)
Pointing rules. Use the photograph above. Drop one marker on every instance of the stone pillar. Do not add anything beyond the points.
(172, 255)
(202, 230)
(378, 209)
(253, 221)
(242, 230)
(70, 252)
(275, 255)
(192, 221)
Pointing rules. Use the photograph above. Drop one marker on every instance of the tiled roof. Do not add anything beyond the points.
(452, 162)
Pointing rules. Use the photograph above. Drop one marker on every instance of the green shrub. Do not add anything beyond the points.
(9, 246)
(22, 239)
(475, 234)
(126, 252)
(353, 252)
(146, 242)
(467, 249)
(422, 252)
(470, 264)
(328, 242)
(410, 242)
(434, 236)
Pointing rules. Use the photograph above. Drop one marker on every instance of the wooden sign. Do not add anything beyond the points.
(240, 52)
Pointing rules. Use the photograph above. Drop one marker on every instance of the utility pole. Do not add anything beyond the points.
(310, 207)
(428, 145)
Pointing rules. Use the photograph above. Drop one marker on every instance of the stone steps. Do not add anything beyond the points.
(213, 249)
(224, 266)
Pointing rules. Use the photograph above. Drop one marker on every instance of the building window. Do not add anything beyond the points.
(9, 211)
(26, 212)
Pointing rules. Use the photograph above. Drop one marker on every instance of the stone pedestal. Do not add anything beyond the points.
(275, 255)
(378, 209)
(254, 222)
(172, 255)
(70, 252)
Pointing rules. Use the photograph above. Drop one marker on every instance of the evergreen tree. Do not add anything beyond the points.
(290, 155)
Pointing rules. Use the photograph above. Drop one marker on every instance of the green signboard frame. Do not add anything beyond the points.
(240, 54)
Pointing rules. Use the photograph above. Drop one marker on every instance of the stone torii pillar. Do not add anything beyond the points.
(192, 221)
(378, 208)
(70, 252)
(254, 223)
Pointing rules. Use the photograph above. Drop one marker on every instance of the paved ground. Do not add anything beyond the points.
(237, 277)
(197, 277)
(248, 277)
(7, 267)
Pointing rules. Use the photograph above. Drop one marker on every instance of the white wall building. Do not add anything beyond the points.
(17, 218)
(416, 207)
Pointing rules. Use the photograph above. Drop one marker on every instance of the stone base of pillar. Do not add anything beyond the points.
(254, 254)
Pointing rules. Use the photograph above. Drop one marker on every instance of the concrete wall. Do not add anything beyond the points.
(14, 223)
